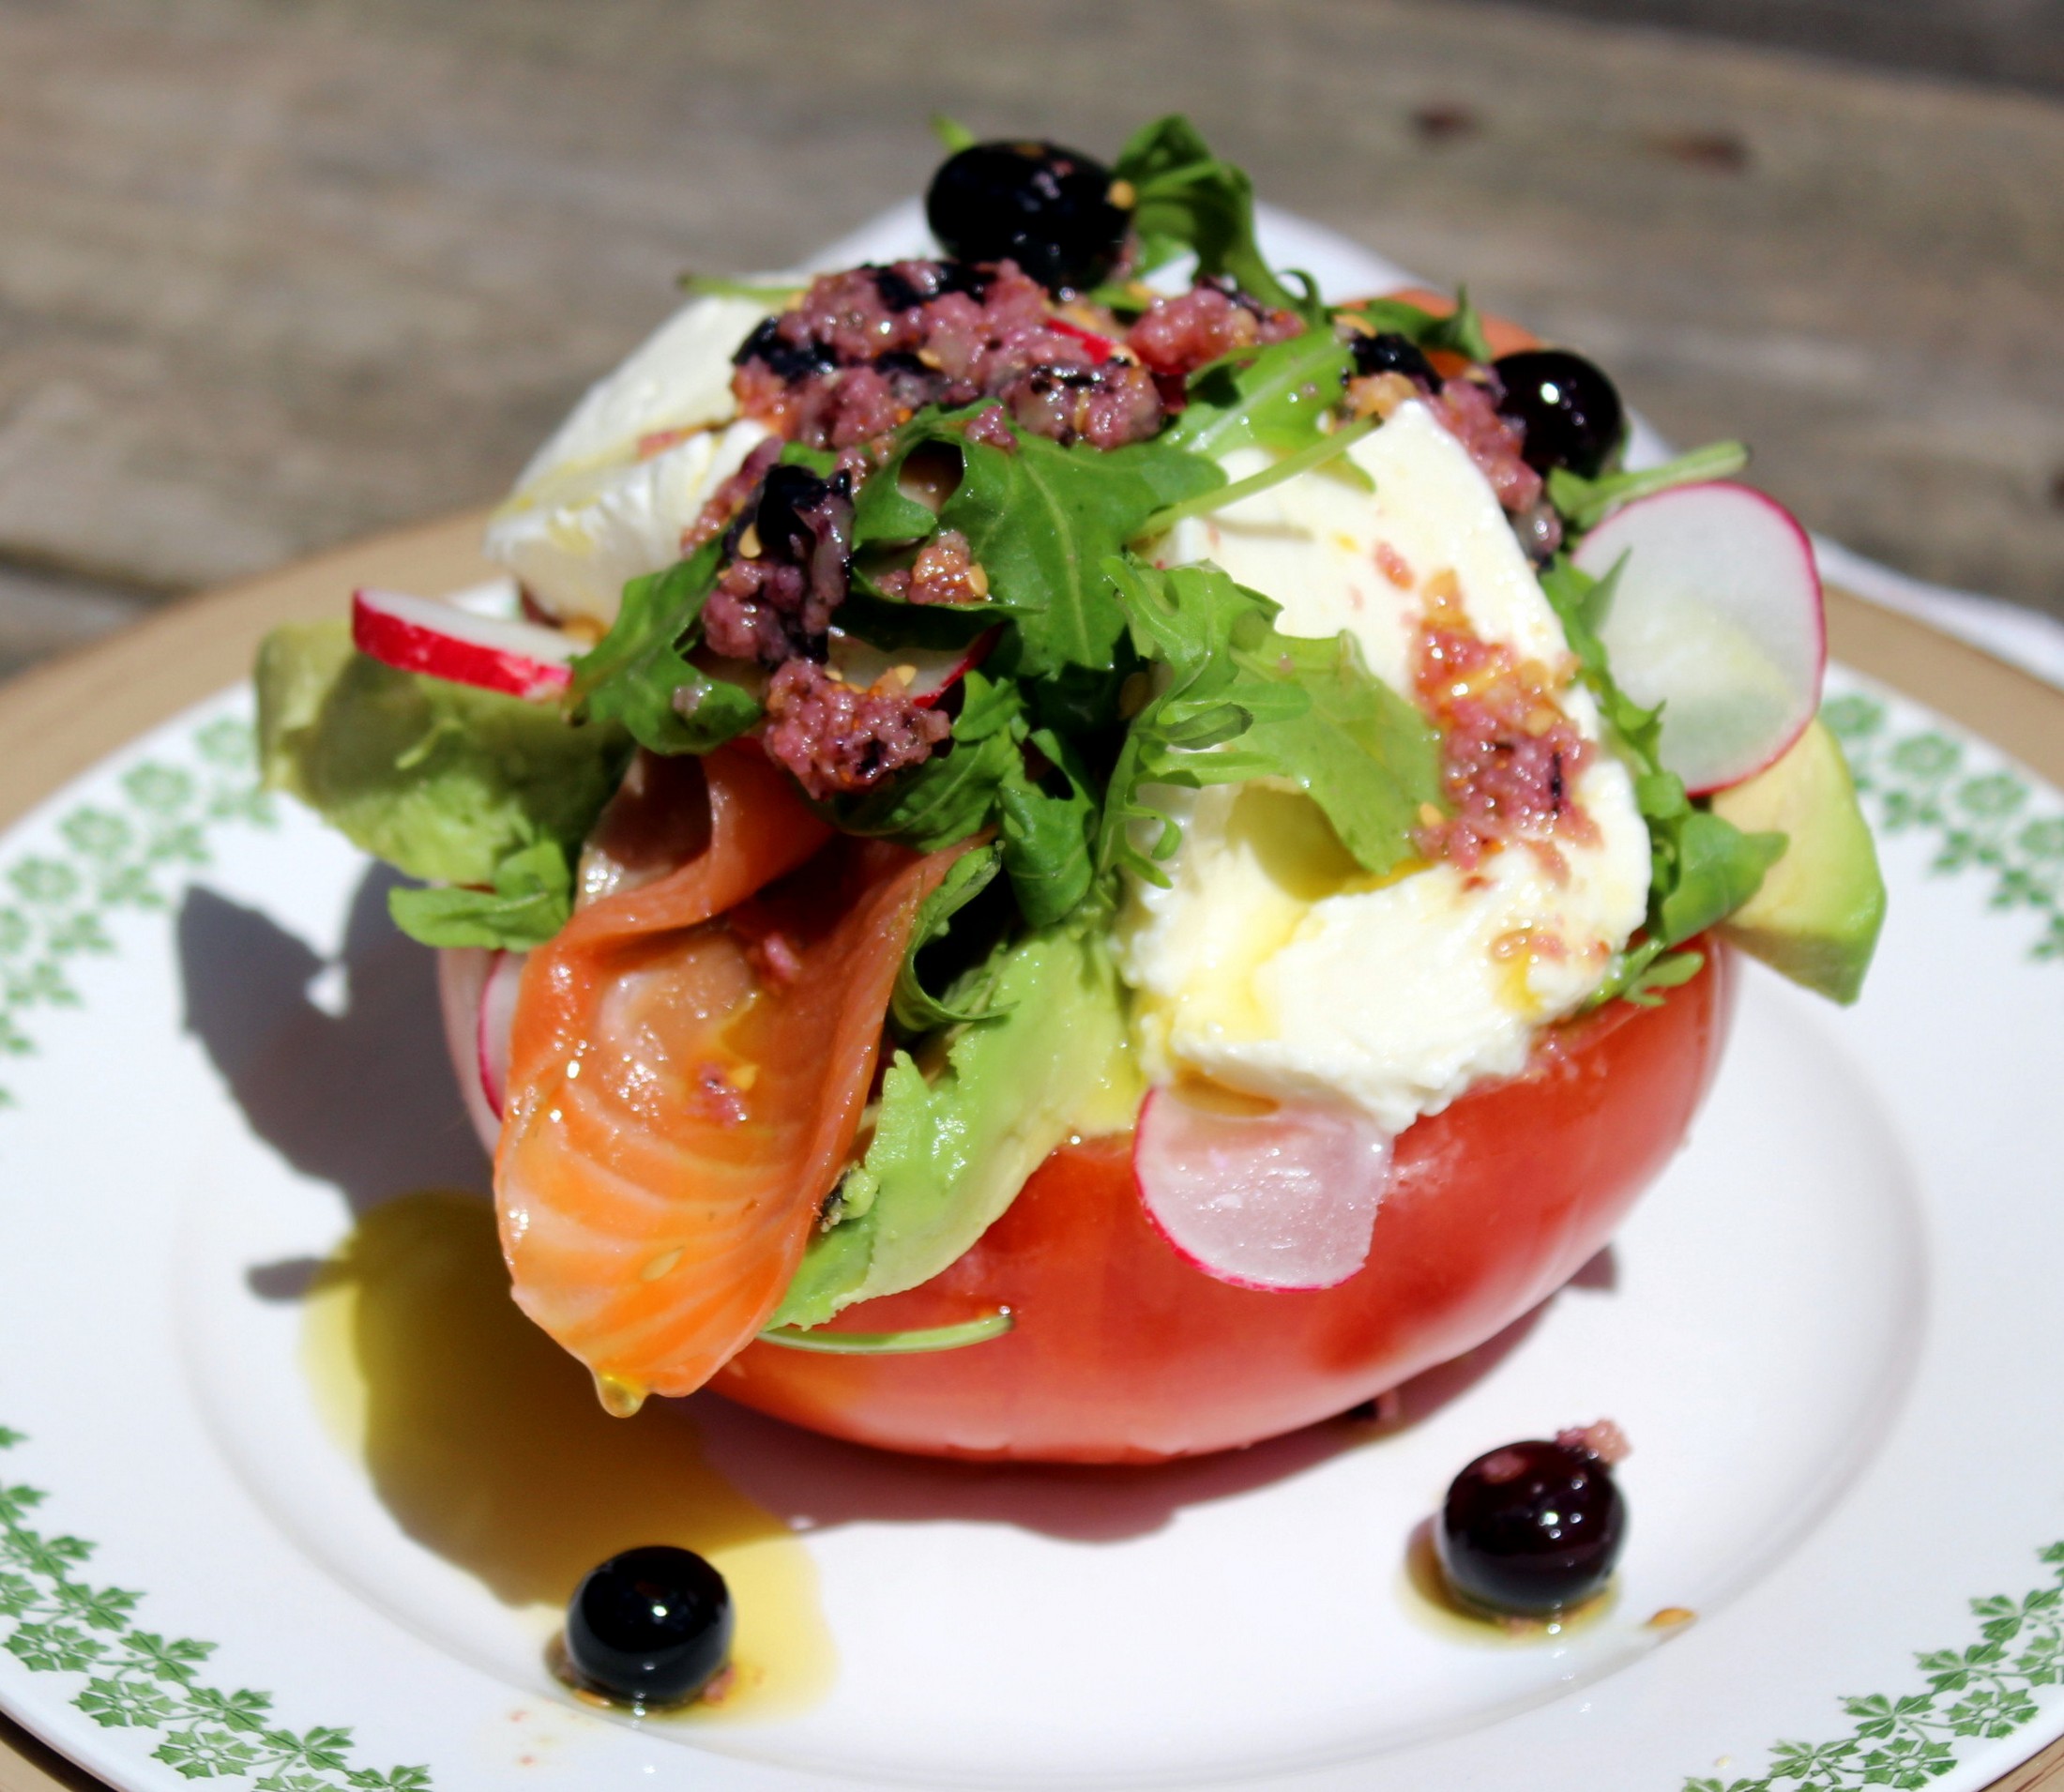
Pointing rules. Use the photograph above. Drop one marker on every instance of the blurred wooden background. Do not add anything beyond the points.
(275, 273)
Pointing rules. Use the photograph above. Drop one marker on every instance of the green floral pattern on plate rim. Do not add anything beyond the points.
(133, 846)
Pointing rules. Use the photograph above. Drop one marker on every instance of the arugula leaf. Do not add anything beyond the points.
(982, 782)
(1046, 835)
(532, 899)
(912, 1007)
(1187, 199)
(1326, 448)
(890, 622)
(1279, 397)
(1363, 753)
(639, 673)
(1585, 502)
(1241, 701)
(1041, 520)
(1719, 868)
(776, 298)
(882, 511)
(1702, 867)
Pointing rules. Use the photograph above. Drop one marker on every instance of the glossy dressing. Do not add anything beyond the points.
(485, 1441)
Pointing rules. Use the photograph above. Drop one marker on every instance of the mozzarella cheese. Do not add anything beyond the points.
(605, 500)
(1272, 964)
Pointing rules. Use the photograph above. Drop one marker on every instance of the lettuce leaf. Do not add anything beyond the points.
(444, 782)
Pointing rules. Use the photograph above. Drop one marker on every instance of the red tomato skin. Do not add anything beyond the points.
(1122, 1352)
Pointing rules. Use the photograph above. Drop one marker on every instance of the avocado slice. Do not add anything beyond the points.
(951, 1149)
(1817, 915)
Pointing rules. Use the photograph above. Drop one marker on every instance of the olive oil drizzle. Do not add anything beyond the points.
(486, 1443)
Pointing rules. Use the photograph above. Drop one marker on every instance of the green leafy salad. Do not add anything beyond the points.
(952, 542)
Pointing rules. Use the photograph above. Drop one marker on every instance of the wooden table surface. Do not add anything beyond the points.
(275, 277)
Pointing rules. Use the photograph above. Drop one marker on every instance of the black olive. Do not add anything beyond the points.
(1570, 412)
(1531, 1529)
(966, 277)
(896, 291)
(651, 1626)
(788, 361)
(1389, 353)
(1047, 209)
(780, 519)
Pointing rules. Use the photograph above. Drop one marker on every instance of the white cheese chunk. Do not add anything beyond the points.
(1272, 964)
(605, 500)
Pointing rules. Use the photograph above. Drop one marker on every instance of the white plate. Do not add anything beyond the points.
(1830, 1330)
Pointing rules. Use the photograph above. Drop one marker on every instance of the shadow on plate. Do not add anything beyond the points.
(488, 1445)
(361, 1096)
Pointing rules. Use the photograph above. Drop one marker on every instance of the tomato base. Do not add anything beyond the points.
(1122, 1352)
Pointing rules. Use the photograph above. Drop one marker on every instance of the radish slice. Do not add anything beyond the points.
(924, 675)
(420, 634)
(462, 974)
(502, 598)
(495, 1021)
(1282, 1199)
(1717, 615)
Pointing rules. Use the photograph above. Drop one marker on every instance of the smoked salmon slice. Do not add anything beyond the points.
(689, 1066)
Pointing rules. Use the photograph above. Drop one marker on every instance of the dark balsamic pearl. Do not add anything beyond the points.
(1389, 353)
(1047, 209)
(1531, 1529)
(651, 1626)
(1570, 412)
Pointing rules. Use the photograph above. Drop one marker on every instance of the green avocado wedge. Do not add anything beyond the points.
(1816, 917)
(950, 1150)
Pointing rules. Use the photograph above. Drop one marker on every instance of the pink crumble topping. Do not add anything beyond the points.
(1511, 758)
(1179, 335)
(1471, 417)
(866, 348)
(1604, 1440)
(837, 740)
(945, 571)
(991, 425)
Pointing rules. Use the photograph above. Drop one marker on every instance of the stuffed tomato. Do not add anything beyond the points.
(1122, 1352)
(1049, 858)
